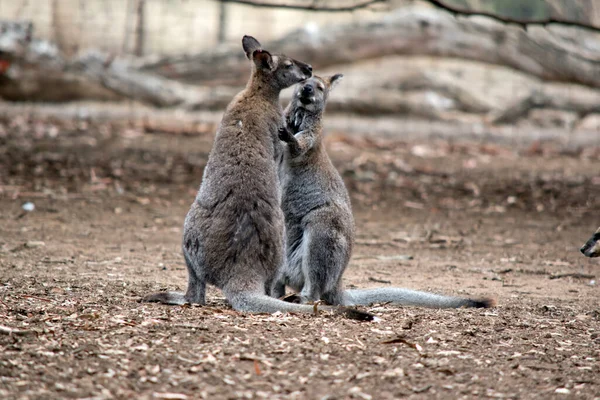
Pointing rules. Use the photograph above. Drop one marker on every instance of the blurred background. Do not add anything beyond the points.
(454, 67)
(112, 93)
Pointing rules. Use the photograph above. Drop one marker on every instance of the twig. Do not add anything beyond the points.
(58, 261)
(572, 275)
(523, 23)
(402, 339)
(308, 7)
(421, 389)
(5, 330)
(187, 360)
(190, 326)
(504, 271)
(375, 242)
(378, 280)
(36, 298)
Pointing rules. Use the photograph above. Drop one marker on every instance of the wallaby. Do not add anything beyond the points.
(591, 248)
(318, 215)
(233, 234)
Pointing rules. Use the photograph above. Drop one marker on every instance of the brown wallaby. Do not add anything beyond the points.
(591, 248)
(233, 234)
(318, 215)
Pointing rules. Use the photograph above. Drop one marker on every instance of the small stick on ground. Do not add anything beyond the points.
(190, 326)
(379, 280)
(5, 330)
(572, 275)
(27, 296)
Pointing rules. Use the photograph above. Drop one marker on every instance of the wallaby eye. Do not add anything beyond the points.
(320, 88)
(289, 65)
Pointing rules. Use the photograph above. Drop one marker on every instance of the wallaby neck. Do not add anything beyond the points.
(260, 86)
(312, 121)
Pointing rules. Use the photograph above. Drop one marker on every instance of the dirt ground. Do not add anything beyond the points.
(463, 218)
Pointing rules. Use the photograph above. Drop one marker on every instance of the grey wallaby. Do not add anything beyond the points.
(318, 214)
(233, 234)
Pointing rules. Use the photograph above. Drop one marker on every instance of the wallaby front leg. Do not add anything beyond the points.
(278, 290)
(299, 143)
(286, 135)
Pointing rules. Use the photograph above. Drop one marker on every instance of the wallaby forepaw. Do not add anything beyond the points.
(285, 135)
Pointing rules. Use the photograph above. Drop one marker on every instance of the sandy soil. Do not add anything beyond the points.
(471, 219)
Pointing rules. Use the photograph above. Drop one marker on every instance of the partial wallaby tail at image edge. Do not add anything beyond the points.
(407, 297)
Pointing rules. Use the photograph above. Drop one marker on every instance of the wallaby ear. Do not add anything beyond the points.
(250, 45)
(263, 59)
(334, 80)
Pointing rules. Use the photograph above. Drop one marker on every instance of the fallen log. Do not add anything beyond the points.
(41, 74)
(583, 101)
(546, 52)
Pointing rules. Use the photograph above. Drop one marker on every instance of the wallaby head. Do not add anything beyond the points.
(277, 70)
(591, 248)
(312, 94)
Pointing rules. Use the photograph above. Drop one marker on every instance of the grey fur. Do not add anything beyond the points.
(318, 214)
(233, 233)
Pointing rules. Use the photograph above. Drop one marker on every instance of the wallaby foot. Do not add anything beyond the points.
(308, 295)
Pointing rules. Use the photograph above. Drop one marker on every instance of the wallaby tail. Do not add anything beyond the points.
(170, 298)
(407, 297)
(260, 303)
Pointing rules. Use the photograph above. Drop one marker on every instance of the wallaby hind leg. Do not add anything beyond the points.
(334, 297)
(323, 264)
(196, 291)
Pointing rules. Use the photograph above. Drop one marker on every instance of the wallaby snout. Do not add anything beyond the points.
(312, 93)
(306, 94)
(307, 90)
